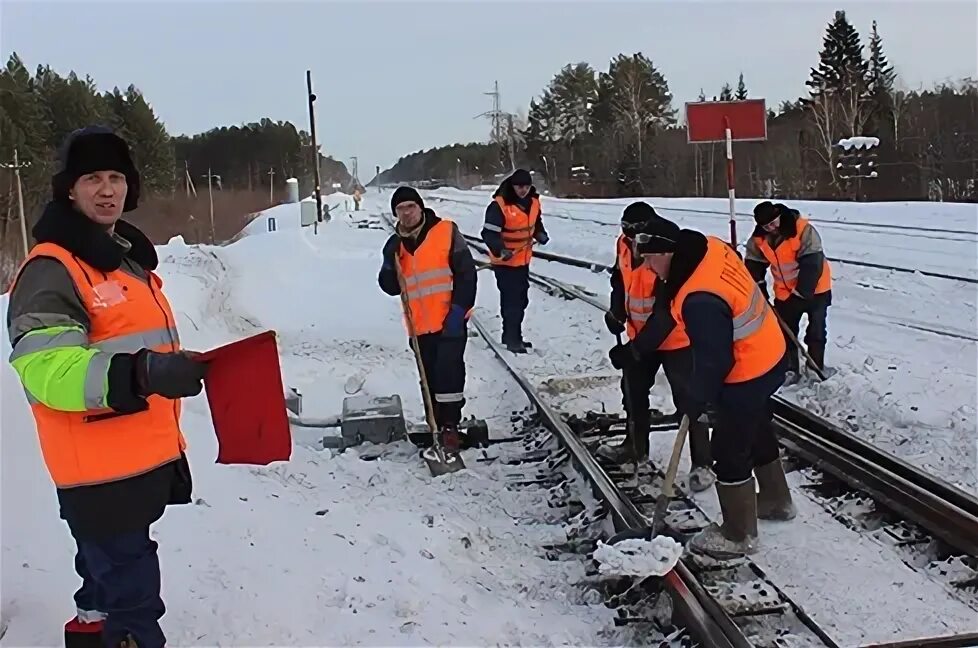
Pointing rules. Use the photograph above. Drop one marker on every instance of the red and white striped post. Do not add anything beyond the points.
(709, 122)
(731, 193)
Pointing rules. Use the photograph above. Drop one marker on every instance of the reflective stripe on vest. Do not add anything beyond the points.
(428, 278)
(517, 232)
(639, 286)
(126, 314)
(758, 343)
(784, 263)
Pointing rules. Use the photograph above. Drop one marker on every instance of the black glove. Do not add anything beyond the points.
(613, 323)
(390, 253)
(623, 356)
(505, 254)
(171, 375)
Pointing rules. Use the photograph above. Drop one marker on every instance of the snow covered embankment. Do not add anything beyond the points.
(322, 549)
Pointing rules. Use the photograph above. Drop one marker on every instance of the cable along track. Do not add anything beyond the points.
(931, 525)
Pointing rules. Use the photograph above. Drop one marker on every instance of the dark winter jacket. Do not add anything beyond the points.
(459, 259)
(45, 295)
(811, 257)
(709, 325)
(493, 237)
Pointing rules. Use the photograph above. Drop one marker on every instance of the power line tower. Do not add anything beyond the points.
(356, 171)
(496, 115)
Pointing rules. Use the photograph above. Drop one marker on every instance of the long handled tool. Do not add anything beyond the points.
(629, 414)
(439, 463)
(794, 339)
(662, 501)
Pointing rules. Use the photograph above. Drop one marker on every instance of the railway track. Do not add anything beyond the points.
(855, 262)
(920, 518)
(911, 514)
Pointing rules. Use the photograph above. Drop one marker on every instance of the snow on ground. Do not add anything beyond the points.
(323, 549)
(903, 345)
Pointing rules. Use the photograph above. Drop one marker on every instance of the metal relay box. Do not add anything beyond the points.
(376, 419)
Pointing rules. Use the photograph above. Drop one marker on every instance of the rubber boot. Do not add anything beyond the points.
(701, 477)
(773, 497)
(737, 535)
(79, 634)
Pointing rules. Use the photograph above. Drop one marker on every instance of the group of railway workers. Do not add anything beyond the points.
(686, 301)
(95, 346)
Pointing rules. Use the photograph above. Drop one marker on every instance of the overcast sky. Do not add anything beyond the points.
(396, 77)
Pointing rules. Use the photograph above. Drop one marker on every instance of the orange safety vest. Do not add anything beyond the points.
(518, 228)
(428, 279)
(758, 343)
(784, 263)
(640, 298)
(100, 445)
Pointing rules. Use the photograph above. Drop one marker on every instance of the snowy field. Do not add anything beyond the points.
(904, 345)
(332, 550)
(322, 550)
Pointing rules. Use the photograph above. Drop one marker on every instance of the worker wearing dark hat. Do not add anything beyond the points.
(802, 277)
(513, 224)
(635, 295)
(440, 276)
(738, 364)
(96, 348)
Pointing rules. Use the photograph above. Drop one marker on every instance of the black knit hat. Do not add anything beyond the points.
(658, 236)
(90, 149)
(765, 212)
(637, 212)
(521, 177)
(403, 195)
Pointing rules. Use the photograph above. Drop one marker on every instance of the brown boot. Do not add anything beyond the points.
(773, 497)
(737, 535)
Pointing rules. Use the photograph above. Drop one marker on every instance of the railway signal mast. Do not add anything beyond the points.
(728, 122)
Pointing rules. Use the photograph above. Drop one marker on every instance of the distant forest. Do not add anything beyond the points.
(615, 133)
(37, 112)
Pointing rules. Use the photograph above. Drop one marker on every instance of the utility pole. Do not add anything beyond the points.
(315, 152)
(17, 165)
(210, 198)
(271, 185)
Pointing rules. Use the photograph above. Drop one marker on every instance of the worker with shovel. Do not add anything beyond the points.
(513, 224)
(428, 256)
(738, 364)
(792, 248)
(634, 297)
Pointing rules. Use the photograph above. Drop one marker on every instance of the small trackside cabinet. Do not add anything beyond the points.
(376, 419)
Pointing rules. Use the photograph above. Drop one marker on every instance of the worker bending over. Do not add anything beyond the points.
(513, 224)
(440, 277)
(738, 364)
(635, 294)
(791, 246)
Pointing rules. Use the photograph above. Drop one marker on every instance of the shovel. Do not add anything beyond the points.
(439, 463)
(662, 501)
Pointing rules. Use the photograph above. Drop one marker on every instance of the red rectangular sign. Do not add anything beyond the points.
(706, 121)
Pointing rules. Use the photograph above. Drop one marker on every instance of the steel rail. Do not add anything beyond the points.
(595, 266)
(703, 617)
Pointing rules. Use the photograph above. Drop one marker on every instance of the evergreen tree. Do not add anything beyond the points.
(841, 66)
(726, 92)
(880, 75)
(574, 90)
(23, 126)
(741, 88)
(135, 121)
(69, 103)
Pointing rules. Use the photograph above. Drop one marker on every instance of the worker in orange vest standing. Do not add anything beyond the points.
(738, 364)
(792, 248)
(635, 295)
(440, 277)
(96, 348)
(513, 224)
